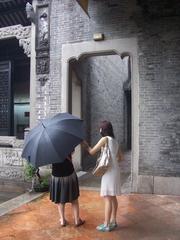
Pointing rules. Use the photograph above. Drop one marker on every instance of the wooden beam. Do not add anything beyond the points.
(84, 5)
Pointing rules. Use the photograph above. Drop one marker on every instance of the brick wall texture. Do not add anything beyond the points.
(157, 28)
(102, 80)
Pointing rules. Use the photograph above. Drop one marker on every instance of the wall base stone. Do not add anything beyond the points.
(159, 185)
(145, 184)
(167, 185)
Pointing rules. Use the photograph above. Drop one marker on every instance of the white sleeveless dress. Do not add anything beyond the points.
(111, 180)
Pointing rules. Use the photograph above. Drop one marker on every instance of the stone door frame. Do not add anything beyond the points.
(122, 47)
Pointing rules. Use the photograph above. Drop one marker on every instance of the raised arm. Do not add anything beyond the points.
(97, 147)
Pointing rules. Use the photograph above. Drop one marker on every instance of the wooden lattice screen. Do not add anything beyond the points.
(5, 98)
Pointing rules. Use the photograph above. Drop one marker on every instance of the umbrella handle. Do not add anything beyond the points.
(38, 175)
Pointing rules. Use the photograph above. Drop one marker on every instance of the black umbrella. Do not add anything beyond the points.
(53, 139)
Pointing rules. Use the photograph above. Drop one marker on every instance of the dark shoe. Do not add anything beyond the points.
(64, 224)
(113, 225)
(81, 222)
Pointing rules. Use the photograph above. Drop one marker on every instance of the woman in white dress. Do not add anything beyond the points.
(110, 182)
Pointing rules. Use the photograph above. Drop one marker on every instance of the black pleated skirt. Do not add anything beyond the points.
(64, 189)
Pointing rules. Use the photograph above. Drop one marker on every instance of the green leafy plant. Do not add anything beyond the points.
(38, 183)
(45, 181)
(43, 184)
(29, 171)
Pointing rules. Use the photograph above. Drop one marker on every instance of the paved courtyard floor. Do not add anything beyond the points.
(146, 217)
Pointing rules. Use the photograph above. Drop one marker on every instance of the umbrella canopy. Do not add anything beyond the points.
(53, 139)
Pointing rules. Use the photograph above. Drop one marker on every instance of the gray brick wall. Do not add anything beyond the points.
(159, 97)
(103, 93)
(158, 42)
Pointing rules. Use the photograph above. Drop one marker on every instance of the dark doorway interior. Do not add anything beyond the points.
(100, 89)
(105, 83)
(127, 119)
(14, 89)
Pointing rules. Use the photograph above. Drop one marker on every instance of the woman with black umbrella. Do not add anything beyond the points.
(65, 189)
(49, 143)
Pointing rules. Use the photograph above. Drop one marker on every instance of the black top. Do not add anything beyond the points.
(63, 169)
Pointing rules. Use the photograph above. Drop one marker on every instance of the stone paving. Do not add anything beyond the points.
(16, 202)
(146, 217)
(5, 196)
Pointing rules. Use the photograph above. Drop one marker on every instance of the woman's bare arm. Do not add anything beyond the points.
(97, 147)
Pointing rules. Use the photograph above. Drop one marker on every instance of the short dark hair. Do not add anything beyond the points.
(106, 129)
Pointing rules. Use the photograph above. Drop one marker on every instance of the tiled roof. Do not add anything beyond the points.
(12, 12)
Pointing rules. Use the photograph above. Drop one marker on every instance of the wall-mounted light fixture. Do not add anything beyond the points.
(98, 36)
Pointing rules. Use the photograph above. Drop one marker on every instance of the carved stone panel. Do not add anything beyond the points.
(21, 33)
(17, 31)
(11, 157)
(42, 38)
(26, 44)
(11, 163)
(42, 33)
(42, 65)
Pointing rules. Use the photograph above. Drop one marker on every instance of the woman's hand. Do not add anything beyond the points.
(98, 146)
(85, 145)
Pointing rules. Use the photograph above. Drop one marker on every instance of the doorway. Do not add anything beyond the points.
(97, 93)
(123, 48)
(14, 89)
